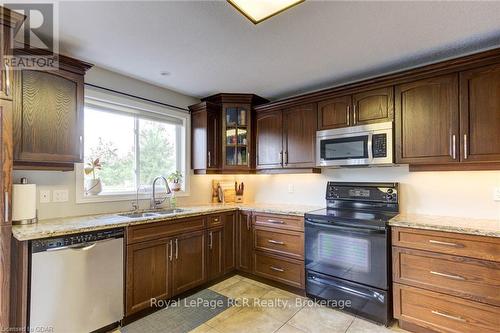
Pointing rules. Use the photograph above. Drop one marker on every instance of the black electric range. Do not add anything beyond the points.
(348, 249)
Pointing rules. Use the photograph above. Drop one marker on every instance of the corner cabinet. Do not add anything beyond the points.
(48, 116)
(286, 138)
(223, 134)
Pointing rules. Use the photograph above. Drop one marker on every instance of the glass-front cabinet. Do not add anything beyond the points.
(237, 142)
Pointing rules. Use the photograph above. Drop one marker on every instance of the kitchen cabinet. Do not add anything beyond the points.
(229, 237)
(188, 262)
(244, 241)
(48, 116)
(206, 139)
(269, 132)
(445, 281)
(360, 108)
(148, 268)
(286, 138)
(427, 121)
(334, 113)
(215, 253)
(480, 114)
(223, 138)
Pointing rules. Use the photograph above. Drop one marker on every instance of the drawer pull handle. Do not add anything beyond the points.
(443, 243)
(276, 269)
(276, 242)
(275, 221)
(449, 316)
(451, 276)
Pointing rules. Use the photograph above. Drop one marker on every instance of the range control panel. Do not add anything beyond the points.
(380, 192)
(41, 245)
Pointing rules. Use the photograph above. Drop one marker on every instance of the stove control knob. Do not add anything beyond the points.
(389, 197)
(389, 191)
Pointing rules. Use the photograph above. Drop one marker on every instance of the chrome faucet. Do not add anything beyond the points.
(135, 205)
(155, 202)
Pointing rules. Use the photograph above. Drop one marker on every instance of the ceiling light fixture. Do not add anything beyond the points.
(260, 10)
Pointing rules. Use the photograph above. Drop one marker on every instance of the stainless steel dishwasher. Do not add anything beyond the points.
(77, 282)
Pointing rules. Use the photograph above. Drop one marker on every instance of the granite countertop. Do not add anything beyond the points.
(78, 224)
(482, 227)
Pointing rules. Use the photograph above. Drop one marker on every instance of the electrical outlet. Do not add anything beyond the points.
(44, 196)
(496, 194)
(290, 188)
(61, 195)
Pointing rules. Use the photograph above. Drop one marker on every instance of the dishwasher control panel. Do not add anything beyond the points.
(48, 244)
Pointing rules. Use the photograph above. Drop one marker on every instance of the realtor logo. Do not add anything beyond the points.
(35, 45)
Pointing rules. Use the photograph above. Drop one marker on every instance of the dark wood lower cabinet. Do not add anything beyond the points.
(244, 241)
(188, 262)
(215, 253)
(229, 221)
(148, 270)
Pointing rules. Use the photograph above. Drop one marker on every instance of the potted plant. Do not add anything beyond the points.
(175, 181)
(94, 185)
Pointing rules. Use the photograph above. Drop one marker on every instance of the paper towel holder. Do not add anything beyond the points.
(24, 181)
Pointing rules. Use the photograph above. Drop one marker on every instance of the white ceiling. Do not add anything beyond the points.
(208, 47)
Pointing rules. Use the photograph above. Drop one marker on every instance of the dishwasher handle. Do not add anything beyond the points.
(79, 247)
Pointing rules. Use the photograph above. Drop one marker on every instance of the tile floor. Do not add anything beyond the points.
(263, 314)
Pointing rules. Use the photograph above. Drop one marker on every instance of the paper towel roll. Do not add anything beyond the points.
(23, 202)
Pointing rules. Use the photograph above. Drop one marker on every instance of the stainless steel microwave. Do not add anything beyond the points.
(356, 145)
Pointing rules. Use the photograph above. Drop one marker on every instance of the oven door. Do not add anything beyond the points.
(351, 253)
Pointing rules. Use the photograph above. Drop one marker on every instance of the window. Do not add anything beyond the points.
(133, 147)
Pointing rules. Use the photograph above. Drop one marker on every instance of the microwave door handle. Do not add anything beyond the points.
(370, 144)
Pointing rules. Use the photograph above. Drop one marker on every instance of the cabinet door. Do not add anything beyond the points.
(213, 139)
(147, 269)
(373, 106)
(299, 124)
(236, 136)
(427, 121)
(215, 253)
(269, 134)
(334, 113)
(188, 264)
(480, 114)
(48, 117)
(244, 242)
(229, 221)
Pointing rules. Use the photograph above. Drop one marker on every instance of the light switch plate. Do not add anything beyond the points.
(496, 194)
(61, 196)
(44, 196)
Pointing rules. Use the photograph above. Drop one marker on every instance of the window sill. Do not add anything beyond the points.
(113, 197)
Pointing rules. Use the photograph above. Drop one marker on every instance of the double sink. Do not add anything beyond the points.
(156, 213)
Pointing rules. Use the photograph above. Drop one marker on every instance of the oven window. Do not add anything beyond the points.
(344, 148)
(347, 252)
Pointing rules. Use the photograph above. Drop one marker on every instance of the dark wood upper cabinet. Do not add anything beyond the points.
(188, 263)
(269, 137)
(373, 106)
(244, 241)
(229, 222)
(299, 126)
(206, 139)
(215, 253)
(48, 116)
(148, 269)
(427, 121)
(480, 114)
(334, 113)
(223, 138)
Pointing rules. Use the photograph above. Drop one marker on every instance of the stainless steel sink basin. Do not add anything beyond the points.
(156, 213)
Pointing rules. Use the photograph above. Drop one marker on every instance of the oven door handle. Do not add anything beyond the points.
(344, 228)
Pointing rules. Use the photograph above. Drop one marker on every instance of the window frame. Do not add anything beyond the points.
(140, 109)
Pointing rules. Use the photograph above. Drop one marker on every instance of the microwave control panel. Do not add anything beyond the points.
(379, 145)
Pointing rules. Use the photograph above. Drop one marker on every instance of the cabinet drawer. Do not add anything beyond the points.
(214, 221)
(478, 280)
(284, 270)
(479, 247)
(282, 242)
(161, 229)
(444, 313)
(279, 221)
